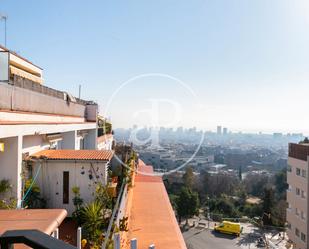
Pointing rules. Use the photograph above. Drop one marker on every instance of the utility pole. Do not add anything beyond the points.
(4, 18)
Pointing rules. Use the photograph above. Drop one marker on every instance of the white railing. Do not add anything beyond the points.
(133, 243)
(122, 205)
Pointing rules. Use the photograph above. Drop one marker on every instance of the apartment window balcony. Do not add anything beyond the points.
(303, 237)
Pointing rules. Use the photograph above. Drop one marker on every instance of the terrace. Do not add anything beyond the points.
(299, 151)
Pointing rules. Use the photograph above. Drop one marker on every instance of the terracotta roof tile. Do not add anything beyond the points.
(104, 155)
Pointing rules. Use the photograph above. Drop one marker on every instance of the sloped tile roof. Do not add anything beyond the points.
(103, 155)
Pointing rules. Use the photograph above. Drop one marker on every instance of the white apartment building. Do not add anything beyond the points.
(297, 195)
(34, 117)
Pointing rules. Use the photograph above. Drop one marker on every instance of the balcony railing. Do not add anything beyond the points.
(26, 96)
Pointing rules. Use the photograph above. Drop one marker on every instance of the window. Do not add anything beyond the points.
(298, 171)
(66, 187)
(302, 215)
(303, 173)
(297, 191)
(303, 194)
(296, 212)
(297, 232)
(289, 225)
(303, 237)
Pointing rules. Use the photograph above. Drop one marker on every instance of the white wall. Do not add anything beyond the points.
(69, 140)
(33, 144)
(11, 164)
(90, 140)
(106, 144)
(50, 180)
(19, 139)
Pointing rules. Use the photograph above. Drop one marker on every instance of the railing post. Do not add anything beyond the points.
(117, 241)
(56, 233)
(133, 243)
(152, 246)
(79, 238)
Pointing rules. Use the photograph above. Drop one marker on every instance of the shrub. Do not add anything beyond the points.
(33, 198)
(93, 222)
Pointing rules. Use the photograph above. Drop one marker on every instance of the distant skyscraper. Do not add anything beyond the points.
(224, 131)
(219, 130)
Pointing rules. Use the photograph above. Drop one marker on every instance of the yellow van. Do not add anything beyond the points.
(229, 228)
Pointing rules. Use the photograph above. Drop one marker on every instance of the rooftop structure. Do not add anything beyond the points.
(299, 151)
(22, 67)
(34, 118)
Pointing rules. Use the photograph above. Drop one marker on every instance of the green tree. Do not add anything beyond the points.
(223, 205)
(188, 178)
(103, 196)
(268, 205)
(187, 204)
(240, 173)
(281, 184)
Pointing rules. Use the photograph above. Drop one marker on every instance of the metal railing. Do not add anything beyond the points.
(113, 217)
(32, 238)
(133, 243)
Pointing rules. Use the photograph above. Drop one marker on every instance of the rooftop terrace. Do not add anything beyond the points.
(299, 151)
(152, 219)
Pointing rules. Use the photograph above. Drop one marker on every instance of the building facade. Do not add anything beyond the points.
(34, 117)
(297, 195)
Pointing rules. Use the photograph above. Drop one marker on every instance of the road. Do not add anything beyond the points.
(203, 238)
(207, 239)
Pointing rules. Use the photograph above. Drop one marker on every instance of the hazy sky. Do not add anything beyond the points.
(247, 62)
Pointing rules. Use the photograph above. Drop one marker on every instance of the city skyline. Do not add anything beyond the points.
(214, 130)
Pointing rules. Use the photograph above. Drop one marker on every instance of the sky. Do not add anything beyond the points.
(236, 63)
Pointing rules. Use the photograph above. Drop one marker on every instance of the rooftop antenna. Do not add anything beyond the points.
(4, 18)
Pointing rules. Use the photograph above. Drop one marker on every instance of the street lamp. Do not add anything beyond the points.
(4, 18)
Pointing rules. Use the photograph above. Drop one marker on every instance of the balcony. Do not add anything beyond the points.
(25, 96)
